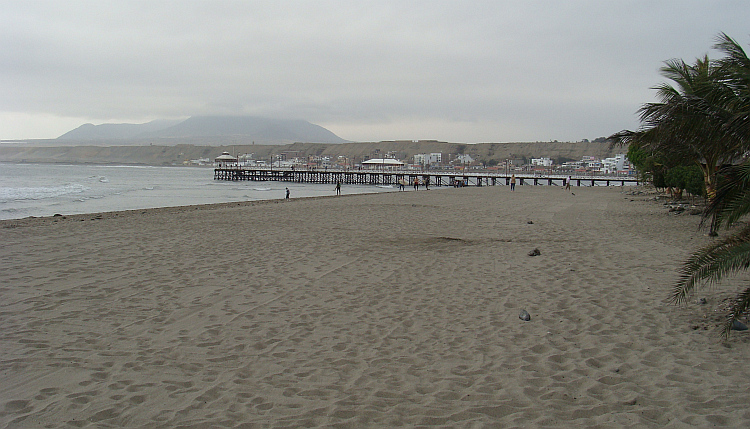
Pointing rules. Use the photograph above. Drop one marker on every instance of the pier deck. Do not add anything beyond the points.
(437, 178)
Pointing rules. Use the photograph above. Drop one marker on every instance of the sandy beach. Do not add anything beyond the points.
(384, 310)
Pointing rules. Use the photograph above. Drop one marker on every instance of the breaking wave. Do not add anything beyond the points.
(39, 192)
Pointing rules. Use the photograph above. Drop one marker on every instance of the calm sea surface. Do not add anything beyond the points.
(44, 189)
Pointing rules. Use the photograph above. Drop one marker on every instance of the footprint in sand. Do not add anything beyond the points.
(18, 407)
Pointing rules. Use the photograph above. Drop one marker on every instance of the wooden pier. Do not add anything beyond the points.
(436, 178)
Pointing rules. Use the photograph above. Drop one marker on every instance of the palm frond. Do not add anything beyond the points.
(711, 263)
(736, 65)
(735, 56)
(732, 200)
(739, 306)
(622, 138)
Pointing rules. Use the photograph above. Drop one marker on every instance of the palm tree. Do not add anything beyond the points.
(687, 124)
(731, 202)
(737, 67)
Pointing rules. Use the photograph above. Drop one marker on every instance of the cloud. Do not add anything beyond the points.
(371, 70)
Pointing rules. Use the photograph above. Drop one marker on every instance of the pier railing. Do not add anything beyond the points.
(388, 177)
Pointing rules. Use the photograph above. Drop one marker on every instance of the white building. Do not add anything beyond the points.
(542, 162)
(383, 164)
(432, 159)
(595, 165)
(590, 163)
(573, 165)
(616, 164)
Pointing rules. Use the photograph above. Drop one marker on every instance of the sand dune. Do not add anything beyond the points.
(382, 310)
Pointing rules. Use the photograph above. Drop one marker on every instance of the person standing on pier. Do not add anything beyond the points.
(287, 193)
(338, 187)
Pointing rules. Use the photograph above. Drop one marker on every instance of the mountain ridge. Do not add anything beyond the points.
(115, 131)
(266, 130)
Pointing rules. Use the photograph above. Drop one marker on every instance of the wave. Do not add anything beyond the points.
(39, 192)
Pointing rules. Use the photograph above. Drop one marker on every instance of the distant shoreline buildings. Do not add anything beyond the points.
(617, 165)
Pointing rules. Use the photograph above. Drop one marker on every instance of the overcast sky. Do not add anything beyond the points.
(458, 71)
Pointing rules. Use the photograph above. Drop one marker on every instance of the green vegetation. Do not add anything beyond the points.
(687, 178)
(701, 125)
(692, 124)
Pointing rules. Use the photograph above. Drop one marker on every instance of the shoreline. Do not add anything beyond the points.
(389, 309)
(45, 191)
(31, 221)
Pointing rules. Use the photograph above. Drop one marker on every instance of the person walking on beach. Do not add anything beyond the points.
(401, 185)
(567, 184)
(287, 193)
(338, 187)
(512, 182)
(416, 183)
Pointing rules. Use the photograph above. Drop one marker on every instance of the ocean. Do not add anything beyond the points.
(49, 189)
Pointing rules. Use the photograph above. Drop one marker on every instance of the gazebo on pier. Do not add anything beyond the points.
(226, 160)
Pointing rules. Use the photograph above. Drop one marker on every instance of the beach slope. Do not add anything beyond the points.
(383, 310)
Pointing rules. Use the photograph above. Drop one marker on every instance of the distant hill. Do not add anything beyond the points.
(115, 131)
(264, 130)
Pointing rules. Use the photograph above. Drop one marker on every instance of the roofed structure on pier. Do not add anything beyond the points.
(382, 163)
(225, 159)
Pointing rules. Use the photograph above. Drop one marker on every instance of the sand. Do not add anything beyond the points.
(383, 310)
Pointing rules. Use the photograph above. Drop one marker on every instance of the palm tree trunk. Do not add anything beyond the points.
(709, 179)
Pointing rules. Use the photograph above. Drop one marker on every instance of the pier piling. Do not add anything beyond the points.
(435, 179)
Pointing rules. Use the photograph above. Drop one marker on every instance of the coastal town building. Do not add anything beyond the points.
(390, 160)
(428, 160)
(542, 162)
(618, 164)
(382, 164)
(463, 159)
(201, 161)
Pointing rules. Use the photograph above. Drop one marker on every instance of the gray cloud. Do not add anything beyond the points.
(458, 71)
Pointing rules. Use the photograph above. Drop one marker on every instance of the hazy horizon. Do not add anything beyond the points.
(469, 72)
